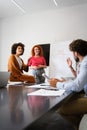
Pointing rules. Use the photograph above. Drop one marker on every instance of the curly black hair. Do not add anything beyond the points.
(14, 47)
(79, 46)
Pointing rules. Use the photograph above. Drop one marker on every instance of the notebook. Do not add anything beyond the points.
(4, 76)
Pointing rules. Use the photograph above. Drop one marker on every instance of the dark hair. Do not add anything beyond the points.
(79, 46)
(39, 47)
(14, 47)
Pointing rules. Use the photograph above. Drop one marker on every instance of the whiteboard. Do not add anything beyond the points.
(59, 52)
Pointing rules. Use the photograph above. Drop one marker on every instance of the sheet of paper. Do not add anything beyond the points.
(14, 83)
(44, 85)
(38, 86)
(44, 92)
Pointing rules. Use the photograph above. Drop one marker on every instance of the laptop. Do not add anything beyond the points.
(4, 77)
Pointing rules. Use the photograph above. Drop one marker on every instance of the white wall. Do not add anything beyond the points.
(50, 26)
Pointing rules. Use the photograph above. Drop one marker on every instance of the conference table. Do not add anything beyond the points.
(18, 111)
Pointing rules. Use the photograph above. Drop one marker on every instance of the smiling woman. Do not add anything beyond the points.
(37, 63)
(16, 65)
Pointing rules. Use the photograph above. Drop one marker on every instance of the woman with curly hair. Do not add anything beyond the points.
(16, 65)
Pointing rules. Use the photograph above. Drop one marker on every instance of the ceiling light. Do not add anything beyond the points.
(55, 2)
(17, 5)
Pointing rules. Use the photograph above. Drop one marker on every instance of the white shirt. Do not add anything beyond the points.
(19, 61)
(78, 83)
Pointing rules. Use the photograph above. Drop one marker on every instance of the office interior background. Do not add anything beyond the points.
(40, 22)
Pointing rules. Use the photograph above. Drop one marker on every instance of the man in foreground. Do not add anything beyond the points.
(75, 107)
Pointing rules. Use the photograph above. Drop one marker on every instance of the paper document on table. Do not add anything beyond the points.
(43, 85)
(14, 83)
(44, 92)
(37, 86)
